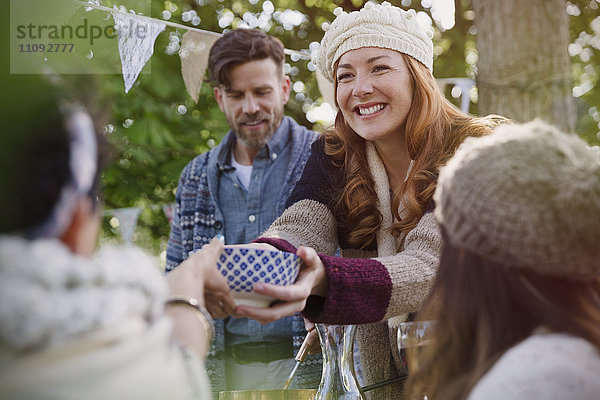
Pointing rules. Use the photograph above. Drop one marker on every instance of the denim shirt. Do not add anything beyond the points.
(198, 218)
(248, 213)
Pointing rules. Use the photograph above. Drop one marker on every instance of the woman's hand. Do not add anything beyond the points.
(312, 279)
(199, 277)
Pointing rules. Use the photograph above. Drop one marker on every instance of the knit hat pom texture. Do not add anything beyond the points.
(383, 26)
(527, 196)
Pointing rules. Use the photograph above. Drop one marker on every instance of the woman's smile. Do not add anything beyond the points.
(369, 110)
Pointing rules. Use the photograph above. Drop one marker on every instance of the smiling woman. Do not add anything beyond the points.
(367, 188)
(374, 93)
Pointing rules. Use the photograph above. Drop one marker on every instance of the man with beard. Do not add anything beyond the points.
(237, 189)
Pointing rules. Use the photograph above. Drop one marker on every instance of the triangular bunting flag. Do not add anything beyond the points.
(194, 50)
(136, 43)
(127, 221)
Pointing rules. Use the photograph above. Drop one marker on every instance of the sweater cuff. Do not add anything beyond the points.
(359, 292)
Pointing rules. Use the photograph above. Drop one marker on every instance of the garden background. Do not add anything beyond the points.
(157, 128)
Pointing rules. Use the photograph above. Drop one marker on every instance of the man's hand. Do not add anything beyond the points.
(199, 277)
(311, 280)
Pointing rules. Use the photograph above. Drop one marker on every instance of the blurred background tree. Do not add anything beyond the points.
(156, 129)
(524, 68)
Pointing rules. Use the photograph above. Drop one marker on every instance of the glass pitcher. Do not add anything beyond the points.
(339, 379)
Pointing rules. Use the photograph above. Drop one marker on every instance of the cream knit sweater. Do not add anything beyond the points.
(550, 366)
(375, 288)
(75, 328)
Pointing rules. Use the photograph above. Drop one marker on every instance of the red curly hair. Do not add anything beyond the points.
(434, 130)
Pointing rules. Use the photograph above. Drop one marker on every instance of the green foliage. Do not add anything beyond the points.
(585, 52)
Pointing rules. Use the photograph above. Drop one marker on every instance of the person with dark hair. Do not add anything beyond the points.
(367, 188)
(74, 325)
(237, 189)
(517, 296)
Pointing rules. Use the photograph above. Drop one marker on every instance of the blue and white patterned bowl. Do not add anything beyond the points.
(243, 267)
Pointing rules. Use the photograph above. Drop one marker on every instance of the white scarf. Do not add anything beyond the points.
(48, 294)
(387, 245)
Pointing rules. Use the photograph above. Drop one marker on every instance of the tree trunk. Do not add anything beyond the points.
(524, 68)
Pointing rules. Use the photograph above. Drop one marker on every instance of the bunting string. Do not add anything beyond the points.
(146, 18)
(135, 51)
(289, 52)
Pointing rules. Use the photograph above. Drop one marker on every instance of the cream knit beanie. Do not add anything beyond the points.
(527, 196)
(374, 25)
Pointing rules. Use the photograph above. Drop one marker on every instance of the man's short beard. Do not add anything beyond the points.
(255, 144)
(259, 139)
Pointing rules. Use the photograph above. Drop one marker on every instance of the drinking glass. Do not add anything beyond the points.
(415, 335)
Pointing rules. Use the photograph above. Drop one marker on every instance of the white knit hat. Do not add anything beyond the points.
(383, 26)
(527, 196)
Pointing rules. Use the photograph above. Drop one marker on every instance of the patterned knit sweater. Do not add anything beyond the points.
(375, 287)
(198, 218)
